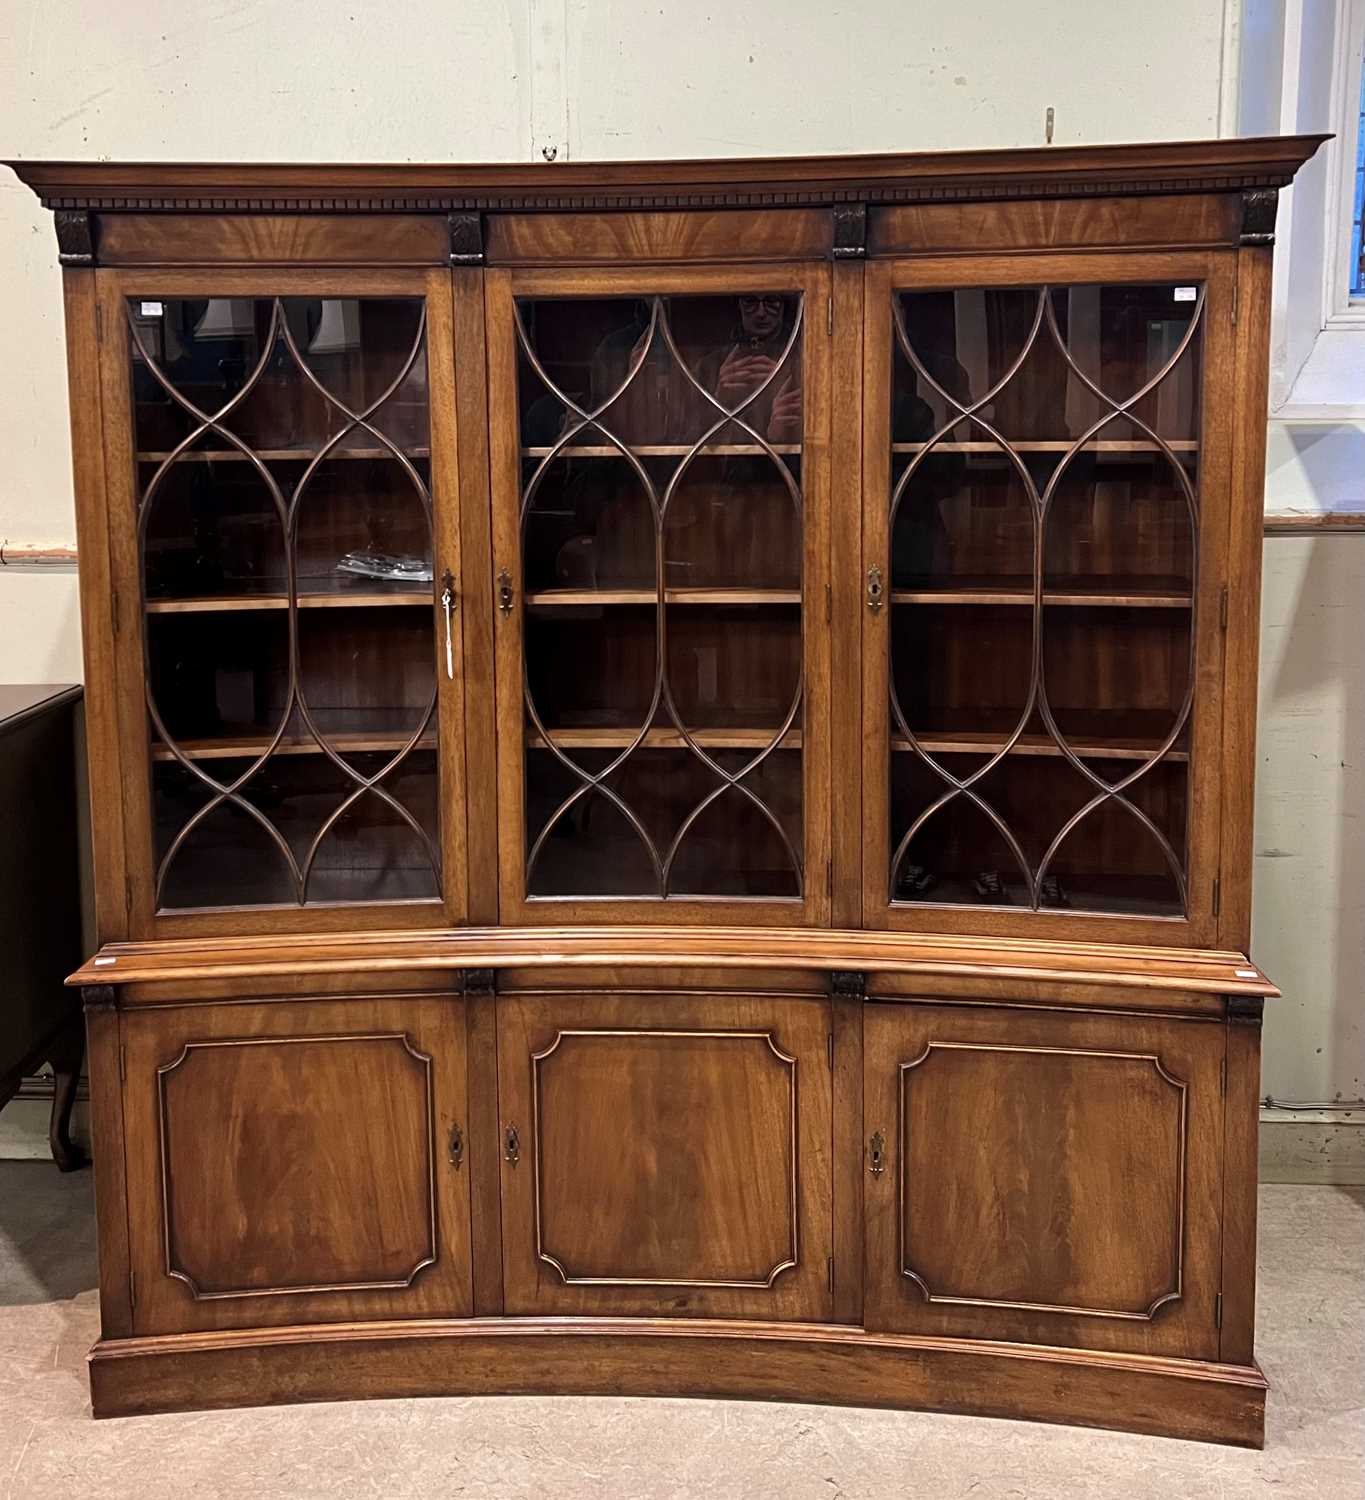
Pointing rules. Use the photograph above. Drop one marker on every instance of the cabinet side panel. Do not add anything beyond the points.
(111, 1190)
(1250, 401)
(1241, 1139)
(97, 615)
(123, 597)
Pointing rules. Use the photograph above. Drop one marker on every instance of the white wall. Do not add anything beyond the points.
(200, 79)
(1308, 928)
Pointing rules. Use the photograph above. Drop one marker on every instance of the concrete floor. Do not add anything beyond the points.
(1312, 1346)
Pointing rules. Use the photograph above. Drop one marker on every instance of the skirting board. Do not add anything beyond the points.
(619, 1357)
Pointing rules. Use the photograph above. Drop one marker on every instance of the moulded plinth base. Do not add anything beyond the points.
(787, 1362)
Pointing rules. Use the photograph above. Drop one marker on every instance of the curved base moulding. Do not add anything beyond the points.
(805, 1362)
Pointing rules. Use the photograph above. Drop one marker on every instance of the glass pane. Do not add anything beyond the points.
(285, 522)
(1043, 521)
(661, 442)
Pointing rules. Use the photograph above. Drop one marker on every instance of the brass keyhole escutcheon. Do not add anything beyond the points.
(512, 1145)
(874, 588)
(505, 592)
(876, 1155)
(455, 1146)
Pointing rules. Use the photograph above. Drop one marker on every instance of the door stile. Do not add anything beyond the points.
(846, 613)
(870, 596)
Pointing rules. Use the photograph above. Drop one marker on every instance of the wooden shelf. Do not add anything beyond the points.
(584, 598)
(277, 455)
(249, 749)
(662, 739)
(233, 603)
(1053, 445)
(664, 450)
(968, 742)
(1075, 599)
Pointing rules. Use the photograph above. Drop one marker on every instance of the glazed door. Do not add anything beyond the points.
(1044, 1177)
(666, 1156)
(287, 575)
(1046, 477)
(660, 537)
(297, 1162)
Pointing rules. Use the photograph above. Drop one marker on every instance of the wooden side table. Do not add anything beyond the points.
(40, 901)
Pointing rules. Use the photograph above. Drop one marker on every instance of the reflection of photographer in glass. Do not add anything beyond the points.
(762, 334)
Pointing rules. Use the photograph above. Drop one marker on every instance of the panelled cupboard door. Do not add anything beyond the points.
(660, 530)
(666, 1156)
(1047, 448)
(297, 1162)
(1044, 1177)
(284, 523)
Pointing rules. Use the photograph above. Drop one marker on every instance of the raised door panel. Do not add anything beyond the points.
(295, 1162)
(281, 457)
(659, 449)
(668, 1156)
(1045, 1178)
(1046, 486)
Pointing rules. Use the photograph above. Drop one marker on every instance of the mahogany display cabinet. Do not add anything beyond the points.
(672, 750)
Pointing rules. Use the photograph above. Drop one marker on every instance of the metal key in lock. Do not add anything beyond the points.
(448, 605)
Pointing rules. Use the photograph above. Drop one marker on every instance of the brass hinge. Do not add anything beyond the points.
(1223, 609)
(1223, 1076)
(1235, 287)
(829, 880)
(1217, 894)
(829, 315)
(829, 1048)
(123, 1064)
(132, 1288)
(128, 895)
(99, 323)
(829, 604)
(113, 610)
(1218, 1310)
(829, 1271)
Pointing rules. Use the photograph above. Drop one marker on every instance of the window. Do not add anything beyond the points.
(1357, 250)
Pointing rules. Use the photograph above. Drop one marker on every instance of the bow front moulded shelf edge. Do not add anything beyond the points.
(671, 751)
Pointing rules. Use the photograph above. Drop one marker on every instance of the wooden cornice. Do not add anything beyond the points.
(1230, 165)
(183, 959)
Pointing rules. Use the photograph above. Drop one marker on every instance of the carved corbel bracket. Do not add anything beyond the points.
(1245, 1010)
(850, 231)
(98, 997)
(466, 239)
(1258, 215)
(75, 237)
